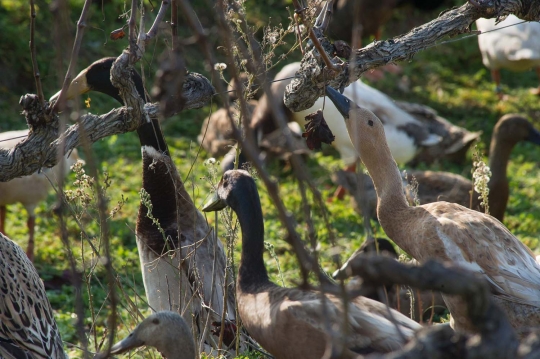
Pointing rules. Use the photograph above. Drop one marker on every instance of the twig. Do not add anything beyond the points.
(81, 25)
(174, 24)
(313, 37)
(37, 75)
(132, 34)
(159, 18)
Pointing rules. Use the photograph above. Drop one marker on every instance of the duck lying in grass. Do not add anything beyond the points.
(446, 231)
(166, 331)
(289, 322)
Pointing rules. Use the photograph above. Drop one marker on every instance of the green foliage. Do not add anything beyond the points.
(450, 78)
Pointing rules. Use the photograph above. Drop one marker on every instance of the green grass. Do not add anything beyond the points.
(449, 78)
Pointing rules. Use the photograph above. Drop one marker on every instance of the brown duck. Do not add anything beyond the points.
(446, 231)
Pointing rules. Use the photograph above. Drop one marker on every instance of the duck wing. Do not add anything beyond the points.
(370, 326)
(483, 244)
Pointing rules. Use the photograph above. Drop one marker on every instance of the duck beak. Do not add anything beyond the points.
(534, 136)
(214, 204)
(342, 103)
(131, 342)
(78, 86)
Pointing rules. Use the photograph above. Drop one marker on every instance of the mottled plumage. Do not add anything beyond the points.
(27, 326)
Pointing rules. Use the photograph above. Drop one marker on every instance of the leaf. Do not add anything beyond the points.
(317, 131)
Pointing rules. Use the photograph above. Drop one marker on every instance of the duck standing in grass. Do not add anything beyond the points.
(289, 322)
(178, 257)
(29, 190)
(27, 326)
(446, 231)
(511, 44)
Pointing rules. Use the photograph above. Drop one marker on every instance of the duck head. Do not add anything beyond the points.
(226, 192)
(97, 77)
(513, 128)
(166, 331)
(365, 129)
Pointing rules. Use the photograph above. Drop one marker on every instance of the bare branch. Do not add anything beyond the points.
(309, 83)
(495, 339)
(132, 33)
(33, 53)
(40, 147)
(81, 24)
(159, 18)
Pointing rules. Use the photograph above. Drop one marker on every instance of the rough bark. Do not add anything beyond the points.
(39, 149)
(495, 337)
(312, 77)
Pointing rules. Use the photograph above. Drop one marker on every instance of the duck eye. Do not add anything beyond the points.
(155, 321)
(370, 123)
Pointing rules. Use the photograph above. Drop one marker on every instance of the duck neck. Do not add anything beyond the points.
(499, 155)
(150, 135)
(387, 181)
(252, 272)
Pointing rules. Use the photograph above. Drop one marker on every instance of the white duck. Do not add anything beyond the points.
(28, 328)
(446, 231)
(404, 132)
(515, 45)
(29, 190)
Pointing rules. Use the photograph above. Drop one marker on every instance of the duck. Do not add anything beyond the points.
(510, 44)
(28, 328)
(289, 322)
(406, 135)
(161, 255)
(445, 231)
(433, 186)
(30, 190)
(216, 136)
(166, 331)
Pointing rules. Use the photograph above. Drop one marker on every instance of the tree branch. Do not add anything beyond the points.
(81, 24)
(495, 339)
(37, 75)
(310, 80)
(39, 148)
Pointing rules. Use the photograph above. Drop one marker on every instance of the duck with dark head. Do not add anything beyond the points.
(289, 322)
(162, 254)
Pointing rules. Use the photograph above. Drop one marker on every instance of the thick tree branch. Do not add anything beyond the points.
(495, 339)
(310, 80)
(39, 148)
